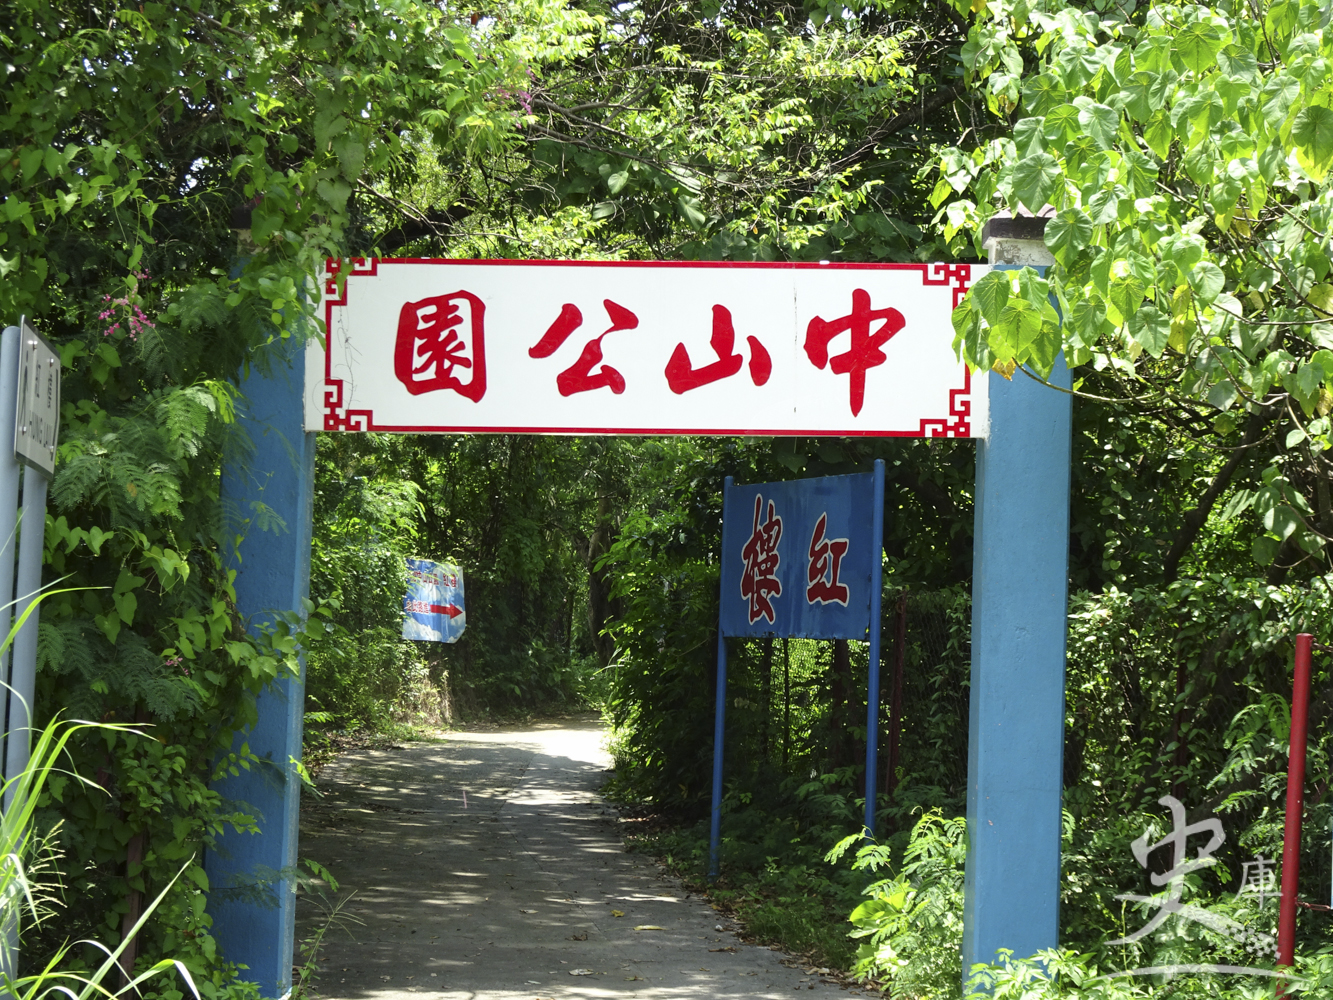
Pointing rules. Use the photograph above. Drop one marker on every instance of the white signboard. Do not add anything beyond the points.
(38, 416)
(576, 347)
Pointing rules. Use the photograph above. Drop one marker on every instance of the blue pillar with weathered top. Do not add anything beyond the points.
(1019, 624)
(253, 899)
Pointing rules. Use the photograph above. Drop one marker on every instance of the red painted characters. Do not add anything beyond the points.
(825, 563)
(437, 337)
(441, 339)
(760, 580)
(579, 376)
(864, 352)
(681, 377)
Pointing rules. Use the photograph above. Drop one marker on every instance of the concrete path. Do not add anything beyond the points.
(526, 891)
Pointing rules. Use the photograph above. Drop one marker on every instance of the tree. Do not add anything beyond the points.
(1184, 151)
(134, 140)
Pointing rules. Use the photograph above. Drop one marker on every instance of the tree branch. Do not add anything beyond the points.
(1196, 518)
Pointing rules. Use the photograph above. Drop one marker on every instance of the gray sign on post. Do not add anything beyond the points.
(29, 389)
(38, 417)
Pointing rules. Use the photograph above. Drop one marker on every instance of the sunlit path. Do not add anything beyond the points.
(512, 893)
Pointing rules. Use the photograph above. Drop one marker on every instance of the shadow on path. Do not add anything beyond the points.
(507, 896)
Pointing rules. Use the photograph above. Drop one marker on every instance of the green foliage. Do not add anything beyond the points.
(910, 924)
(364, 530)
(129, 135)
(525, 517)
(1185, 151)
(22, 846)
(1181, 692)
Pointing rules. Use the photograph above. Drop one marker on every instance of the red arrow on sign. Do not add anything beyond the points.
(446, 609)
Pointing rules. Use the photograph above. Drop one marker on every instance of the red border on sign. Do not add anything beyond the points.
(957, 423)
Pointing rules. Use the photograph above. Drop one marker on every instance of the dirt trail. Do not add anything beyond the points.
(513, 894)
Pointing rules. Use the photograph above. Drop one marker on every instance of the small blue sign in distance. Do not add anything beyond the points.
(797, 558)
(433, 607)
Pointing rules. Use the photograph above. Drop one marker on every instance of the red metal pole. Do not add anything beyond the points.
(1291, 837)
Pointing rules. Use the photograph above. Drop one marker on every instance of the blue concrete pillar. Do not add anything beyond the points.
(254, 911)
(1019, 625)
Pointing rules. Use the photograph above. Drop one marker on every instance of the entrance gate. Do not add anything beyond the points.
(744, 349)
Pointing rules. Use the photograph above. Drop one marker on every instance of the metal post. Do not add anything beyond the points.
(872, 691)
(719, 715)
(30, 396)
(23, 676)
(9, 499)
(1016, 723)
(1291, 836)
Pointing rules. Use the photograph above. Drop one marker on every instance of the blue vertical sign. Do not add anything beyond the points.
(801, 558)
(797, 558)
(433, 607)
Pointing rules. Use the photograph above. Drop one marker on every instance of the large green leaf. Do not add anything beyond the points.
(1150, 328)
(1162, 89)
(1282, 519)
(1068, 233)
(1158, 134)
(1035, 178)
(1184, 251)
(1127, 291)
(1140, 173)
(969, 340)
(1197, 45)
(1076, 66)
(1232, 90)
(1061, 122)
(1034, 289)
(991, 294)
(1306, 384)
(1105, 204)
(1099, 122)
(1045, 346)
(1313, 132)
(1042, 92)
(1028, 136)
(1019, 327)
(1134, 96)
(1279, 93)
(1086, 323)
(1207, 281)
(1264, 549)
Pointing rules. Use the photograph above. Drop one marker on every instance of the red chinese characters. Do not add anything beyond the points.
(579, 377)
(825, 562)
(864, 352)
(681, 377)
(759, 581)
(439, 337)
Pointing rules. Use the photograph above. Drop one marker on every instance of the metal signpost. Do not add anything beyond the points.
(801, 559)
(433, 610)
(30, 390)
(36, 406)
(577, 347)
